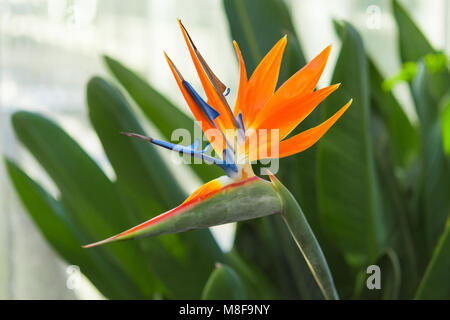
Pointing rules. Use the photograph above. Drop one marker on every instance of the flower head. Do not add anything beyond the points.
(262, 116)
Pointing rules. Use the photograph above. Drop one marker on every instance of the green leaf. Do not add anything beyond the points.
(150, 188)
(435, 284)
(413, 44)
(256, 26)
(52, 220)
(348, 195)
(140, 171)
(428, 88)
(403, 135)
(305, 240)
(89, 197)
(395, 142)
(399, 221)
(159, 111)
(433, 185)
(224, 284)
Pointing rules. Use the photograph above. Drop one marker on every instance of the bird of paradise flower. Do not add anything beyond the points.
(261, 120)
(259, 109)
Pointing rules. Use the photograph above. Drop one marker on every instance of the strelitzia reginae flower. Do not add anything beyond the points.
(257, 128)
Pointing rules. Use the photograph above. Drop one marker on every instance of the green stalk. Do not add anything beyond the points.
(305, 240)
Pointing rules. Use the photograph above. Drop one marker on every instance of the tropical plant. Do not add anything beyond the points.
(374, 190)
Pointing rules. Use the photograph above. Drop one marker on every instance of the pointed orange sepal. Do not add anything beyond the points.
(243, 83)
(211, 85)
(305, 80)
(306, 139)
(199, 115)
(263, 81)
(286, 116)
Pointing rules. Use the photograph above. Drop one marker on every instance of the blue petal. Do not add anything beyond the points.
(229, 168)
(210, 112)
(207, 148)
(240, 121)
(227, 165)
(195, 145)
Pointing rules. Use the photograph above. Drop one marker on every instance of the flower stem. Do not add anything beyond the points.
(306, 241)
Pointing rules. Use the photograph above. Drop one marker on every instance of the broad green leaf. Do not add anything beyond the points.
(434, 185)
(348, 195)
(428, 88)
(140, 171)
(413, 44)
(243, 200)
(305, 240)
(159, 111)
(395, 142)
(150, 188)
(224, 284)
(399, 223)
(403, 135)
(90, 199)
(52, 220)
(155, 106)
(257, 25)
(435, 284)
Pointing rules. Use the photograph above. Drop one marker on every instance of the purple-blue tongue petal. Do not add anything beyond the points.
(209, 111)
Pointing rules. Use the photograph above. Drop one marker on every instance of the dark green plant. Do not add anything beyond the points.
(375, 190)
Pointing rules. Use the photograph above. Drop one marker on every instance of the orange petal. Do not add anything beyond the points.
(306, 139)
(243, 82)
(303, 81)
(199, 115)
(211, 85)
(288, 115)
(263, 81)
(205, 189)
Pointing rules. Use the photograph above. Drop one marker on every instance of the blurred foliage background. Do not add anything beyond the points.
(375, 190)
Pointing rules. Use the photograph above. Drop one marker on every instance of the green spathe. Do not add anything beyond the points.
(243, 200)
